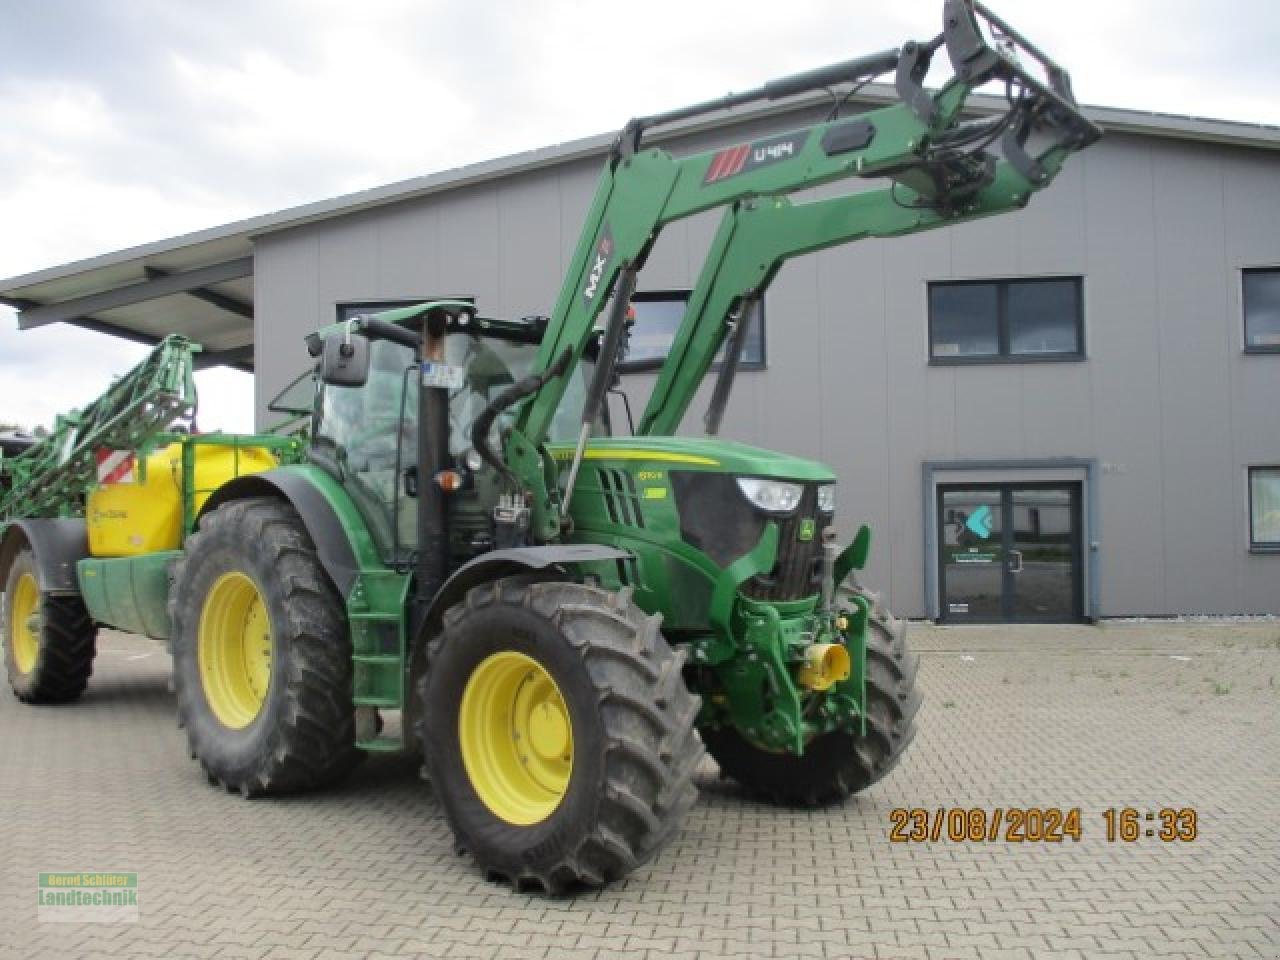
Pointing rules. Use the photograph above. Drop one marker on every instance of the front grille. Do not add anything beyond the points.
(716, 519)
(798, 572)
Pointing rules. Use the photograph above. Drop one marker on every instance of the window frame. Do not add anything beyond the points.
(1003, 352)
(1256, 545)
(1263, 349)
(655, 363)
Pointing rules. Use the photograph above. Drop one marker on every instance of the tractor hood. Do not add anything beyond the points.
(700, 453)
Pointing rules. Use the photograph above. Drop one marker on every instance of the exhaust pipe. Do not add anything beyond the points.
(825, 664)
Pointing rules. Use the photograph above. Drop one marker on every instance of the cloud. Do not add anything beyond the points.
(56, 369)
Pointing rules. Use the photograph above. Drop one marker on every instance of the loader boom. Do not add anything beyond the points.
(757, 236)
(941, 170)
(940, 161)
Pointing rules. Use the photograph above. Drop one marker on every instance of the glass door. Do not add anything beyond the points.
(1044, 556)
(973, 554)
(1010, 552)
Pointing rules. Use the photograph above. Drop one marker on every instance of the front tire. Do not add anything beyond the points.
(261, 654)
(836, 765)
(559, 733)
(49, 641)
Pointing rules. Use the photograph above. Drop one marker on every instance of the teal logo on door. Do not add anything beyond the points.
(979, 521)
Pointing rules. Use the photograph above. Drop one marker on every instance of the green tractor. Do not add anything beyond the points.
(561, 619)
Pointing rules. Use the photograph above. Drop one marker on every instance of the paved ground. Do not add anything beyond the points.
(1140, 715)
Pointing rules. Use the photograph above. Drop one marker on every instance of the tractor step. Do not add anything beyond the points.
(381, 745)
(382, 703)
(376, 660)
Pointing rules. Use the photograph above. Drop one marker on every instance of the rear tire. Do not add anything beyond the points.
(626, 780)
(49, 641)
(289, 726)
(836, 765)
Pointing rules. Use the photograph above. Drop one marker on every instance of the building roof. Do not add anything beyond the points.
(201, 284)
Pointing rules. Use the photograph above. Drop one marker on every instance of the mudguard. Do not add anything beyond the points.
(497, 564)
(330, 518)
(58, 545)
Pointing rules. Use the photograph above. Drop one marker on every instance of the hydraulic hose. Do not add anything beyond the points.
(508, 398)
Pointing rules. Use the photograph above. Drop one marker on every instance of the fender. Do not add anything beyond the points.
(343, 544)
(497, 564)
(58, 545)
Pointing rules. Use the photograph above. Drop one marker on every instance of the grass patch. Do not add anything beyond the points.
(1220, 688)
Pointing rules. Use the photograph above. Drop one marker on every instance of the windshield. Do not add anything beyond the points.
(372, 430)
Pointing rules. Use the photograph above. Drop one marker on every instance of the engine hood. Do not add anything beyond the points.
(700, 453)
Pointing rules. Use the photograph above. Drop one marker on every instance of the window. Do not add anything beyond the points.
(1261, 296)
(990, 320)
(658, 317)
(1264, 508)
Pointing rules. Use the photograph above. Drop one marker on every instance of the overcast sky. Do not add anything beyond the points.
(125, 121)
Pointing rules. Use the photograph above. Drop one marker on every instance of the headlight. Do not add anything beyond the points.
(772, 496)
(827, 498)
(472, 460)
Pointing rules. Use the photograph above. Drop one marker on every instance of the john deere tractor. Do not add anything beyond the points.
(463, 560)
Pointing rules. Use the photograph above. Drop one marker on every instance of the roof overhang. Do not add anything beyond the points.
(201, 284)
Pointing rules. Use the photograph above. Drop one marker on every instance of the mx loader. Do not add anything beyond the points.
(459, 558)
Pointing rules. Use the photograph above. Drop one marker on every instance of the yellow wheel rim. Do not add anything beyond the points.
(234, 650)
(24, 623)
(516, 738)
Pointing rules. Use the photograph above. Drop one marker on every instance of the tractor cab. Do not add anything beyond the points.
(365, 426)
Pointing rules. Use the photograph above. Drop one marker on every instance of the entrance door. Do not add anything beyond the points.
(1010, 552)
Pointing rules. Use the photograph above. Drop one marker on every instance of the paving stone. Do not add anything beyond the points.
(1063, 717)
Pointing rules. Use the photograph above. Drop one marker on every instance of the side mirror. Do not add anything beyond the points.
(345, 361)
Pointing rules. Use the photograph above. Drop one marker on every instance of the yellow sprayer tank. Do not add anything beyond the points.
(128, 519)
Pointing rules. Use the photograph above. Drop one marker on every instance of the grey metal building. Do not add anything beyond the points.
(1072, 411)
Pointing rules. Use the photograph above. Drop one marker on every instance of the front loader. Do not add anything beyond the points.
(464, 562)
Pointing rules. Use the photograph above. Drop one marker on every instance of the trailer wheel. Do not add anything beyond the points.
(559, 733)
(836, 765)
(49, 641)
(261, 654)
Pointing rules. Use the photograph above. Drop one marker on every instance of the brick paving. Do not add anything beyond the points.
(1142, 715)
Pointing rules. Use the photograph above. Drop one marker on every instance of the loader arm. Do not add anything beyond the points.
(757, 236)
(920, 143)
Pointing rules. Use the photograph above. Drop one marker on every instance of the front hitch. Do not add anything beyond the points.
(786, 671)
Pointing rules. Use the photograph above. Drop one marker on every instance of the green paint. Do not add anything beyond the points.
(129, 593)
(704, 454)
(50, 479)
(854, 556)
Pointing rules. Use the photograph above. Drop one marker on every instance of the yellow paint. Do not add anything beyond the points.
(516, 738)
(128, 519)
(233, 647)
(825, 664)
(655, 493)
(654, 456)
(24, 626)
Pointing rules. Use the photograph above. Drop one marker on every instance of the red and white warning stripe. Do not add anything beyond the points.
(115, 466)
(727, 163)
